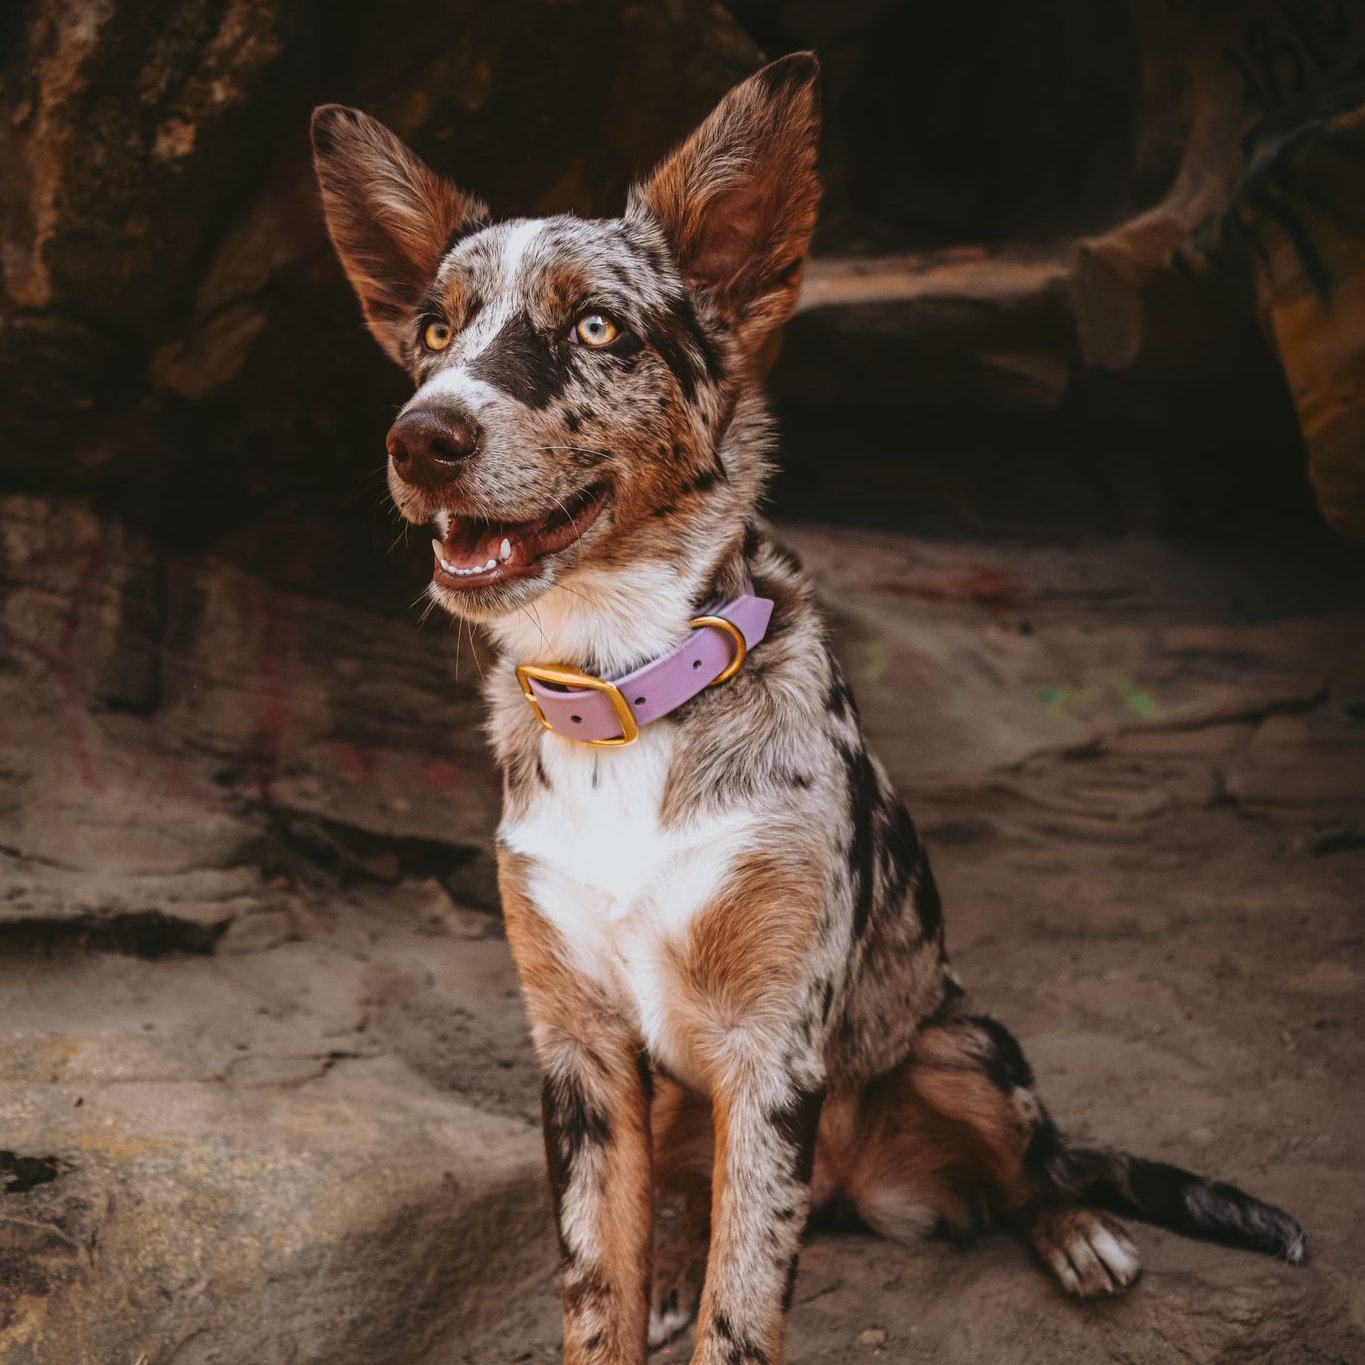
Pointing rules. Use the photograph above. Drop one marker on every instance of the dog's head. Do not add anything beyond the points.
(575, 377)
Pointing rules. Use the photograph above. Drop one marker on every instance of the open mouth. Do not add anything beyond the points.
(476, 553)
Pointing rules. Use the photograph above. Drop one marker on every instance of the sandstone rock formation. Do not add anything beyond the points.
(265, 1089)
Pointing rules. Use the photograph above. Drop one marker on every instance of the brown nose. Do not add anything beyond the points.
(428, 445)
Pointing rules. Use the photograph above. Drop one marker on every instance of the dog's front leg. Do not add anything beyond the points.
(598, 1144)
(766, 1114)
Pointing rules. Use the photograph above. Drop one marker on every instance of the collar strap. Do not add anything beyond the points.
(599, 711)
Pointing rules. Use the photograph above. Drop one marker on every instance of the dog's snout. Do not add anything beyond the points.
(428, 445)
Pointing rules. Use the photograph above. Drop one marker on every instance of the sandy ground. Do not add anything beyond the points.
(1141, 776)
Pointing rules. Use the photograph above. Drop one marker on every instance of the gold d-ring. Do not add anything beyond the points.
(737, 635)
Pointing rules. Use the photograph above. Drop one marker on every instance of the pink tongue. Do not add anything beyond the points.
(470, 545)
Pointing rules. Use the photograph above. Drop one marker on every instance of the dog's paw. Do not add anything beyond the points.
(669, 1313)
(679, 1268)
(1090, 1254)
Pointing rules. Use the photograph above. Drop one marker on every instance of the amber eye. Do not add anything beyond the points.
(595, 330)
(436, 336)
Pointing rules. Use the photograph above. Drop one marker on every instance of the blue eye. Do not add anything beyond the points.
(595, 330)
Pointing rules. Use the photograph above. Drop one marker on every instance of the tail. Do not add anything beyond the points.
(1168, 1197)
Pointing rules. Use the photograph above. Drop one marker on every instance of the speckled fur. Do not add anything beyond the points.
(728, 934)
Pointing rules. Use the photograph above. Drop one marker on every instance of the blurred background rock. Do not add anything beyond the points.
(1093, 263)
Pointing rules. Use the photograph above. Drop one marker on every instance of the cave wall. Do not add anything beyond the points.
(1087, 311)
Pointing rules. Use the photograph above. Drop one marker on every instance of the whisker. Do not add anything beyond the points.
(536, 623)
(583, 597)
(474, 650)
(562, 508)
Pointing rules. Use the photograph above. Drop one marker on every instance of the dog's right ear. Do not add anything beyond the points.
(391, 218)
(737, 200)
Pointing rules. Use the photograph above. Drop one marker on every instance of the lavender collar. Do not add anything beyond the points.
(599, 711)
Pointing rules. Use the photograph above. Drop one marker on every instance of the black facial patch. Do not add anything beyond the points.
(685, 348)
(522, 364)
(705, 480)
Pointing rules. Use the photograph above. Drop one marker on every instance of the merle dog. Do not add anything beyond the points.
(727, 930)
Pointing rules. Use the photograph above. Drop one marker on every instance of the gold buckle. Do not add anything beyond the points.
(737, 635)
(571, 677)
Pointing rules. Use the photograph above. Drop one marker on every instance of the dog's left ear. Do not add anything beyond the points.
(737, 201)
(391, 218)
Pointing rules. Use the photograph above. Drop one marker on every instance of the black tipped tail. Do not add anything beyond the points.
(1168, 1197)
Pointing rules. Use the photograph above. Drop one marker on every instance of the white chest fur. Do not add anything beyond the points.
(620, 887)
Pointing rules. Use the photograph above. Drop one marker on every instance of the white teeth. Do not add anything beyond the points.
(505, 549)
(464, 573)
(450, 568)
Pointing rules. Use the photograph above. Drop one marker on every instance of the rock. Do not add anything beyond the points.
(967, 327)
(126, 137)
(165, 265)
(1067, 347)
(246, 1176)
(1264, 200)
(267, 1085)
(1313, 762)
(1300, 208)
(189, 726)
(1119, 642)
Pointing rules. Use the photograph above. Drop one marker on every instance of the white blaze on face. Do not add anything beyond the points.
(506, 297)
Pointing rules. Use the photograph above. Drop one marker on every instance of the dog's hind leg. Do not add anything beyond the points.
(683, 1154)
(958, 1129)
(956, 1136)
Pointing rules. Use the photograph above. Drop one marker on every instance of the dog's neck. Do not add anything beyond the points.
(608, 620)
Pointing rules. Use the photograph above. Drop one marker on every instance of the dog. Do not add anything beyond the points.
(728, 935)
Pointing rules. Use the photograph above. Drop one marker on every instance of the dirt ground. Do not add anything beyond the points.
(1141, 775)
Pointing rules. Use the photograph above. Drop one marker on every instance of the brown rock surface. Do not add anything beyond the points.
(267, 1093)
(166, 284)
(265, 1089)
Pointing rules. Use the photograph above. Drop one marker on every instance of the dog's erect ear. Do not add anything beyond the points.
(738, 199)
(391, 217)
